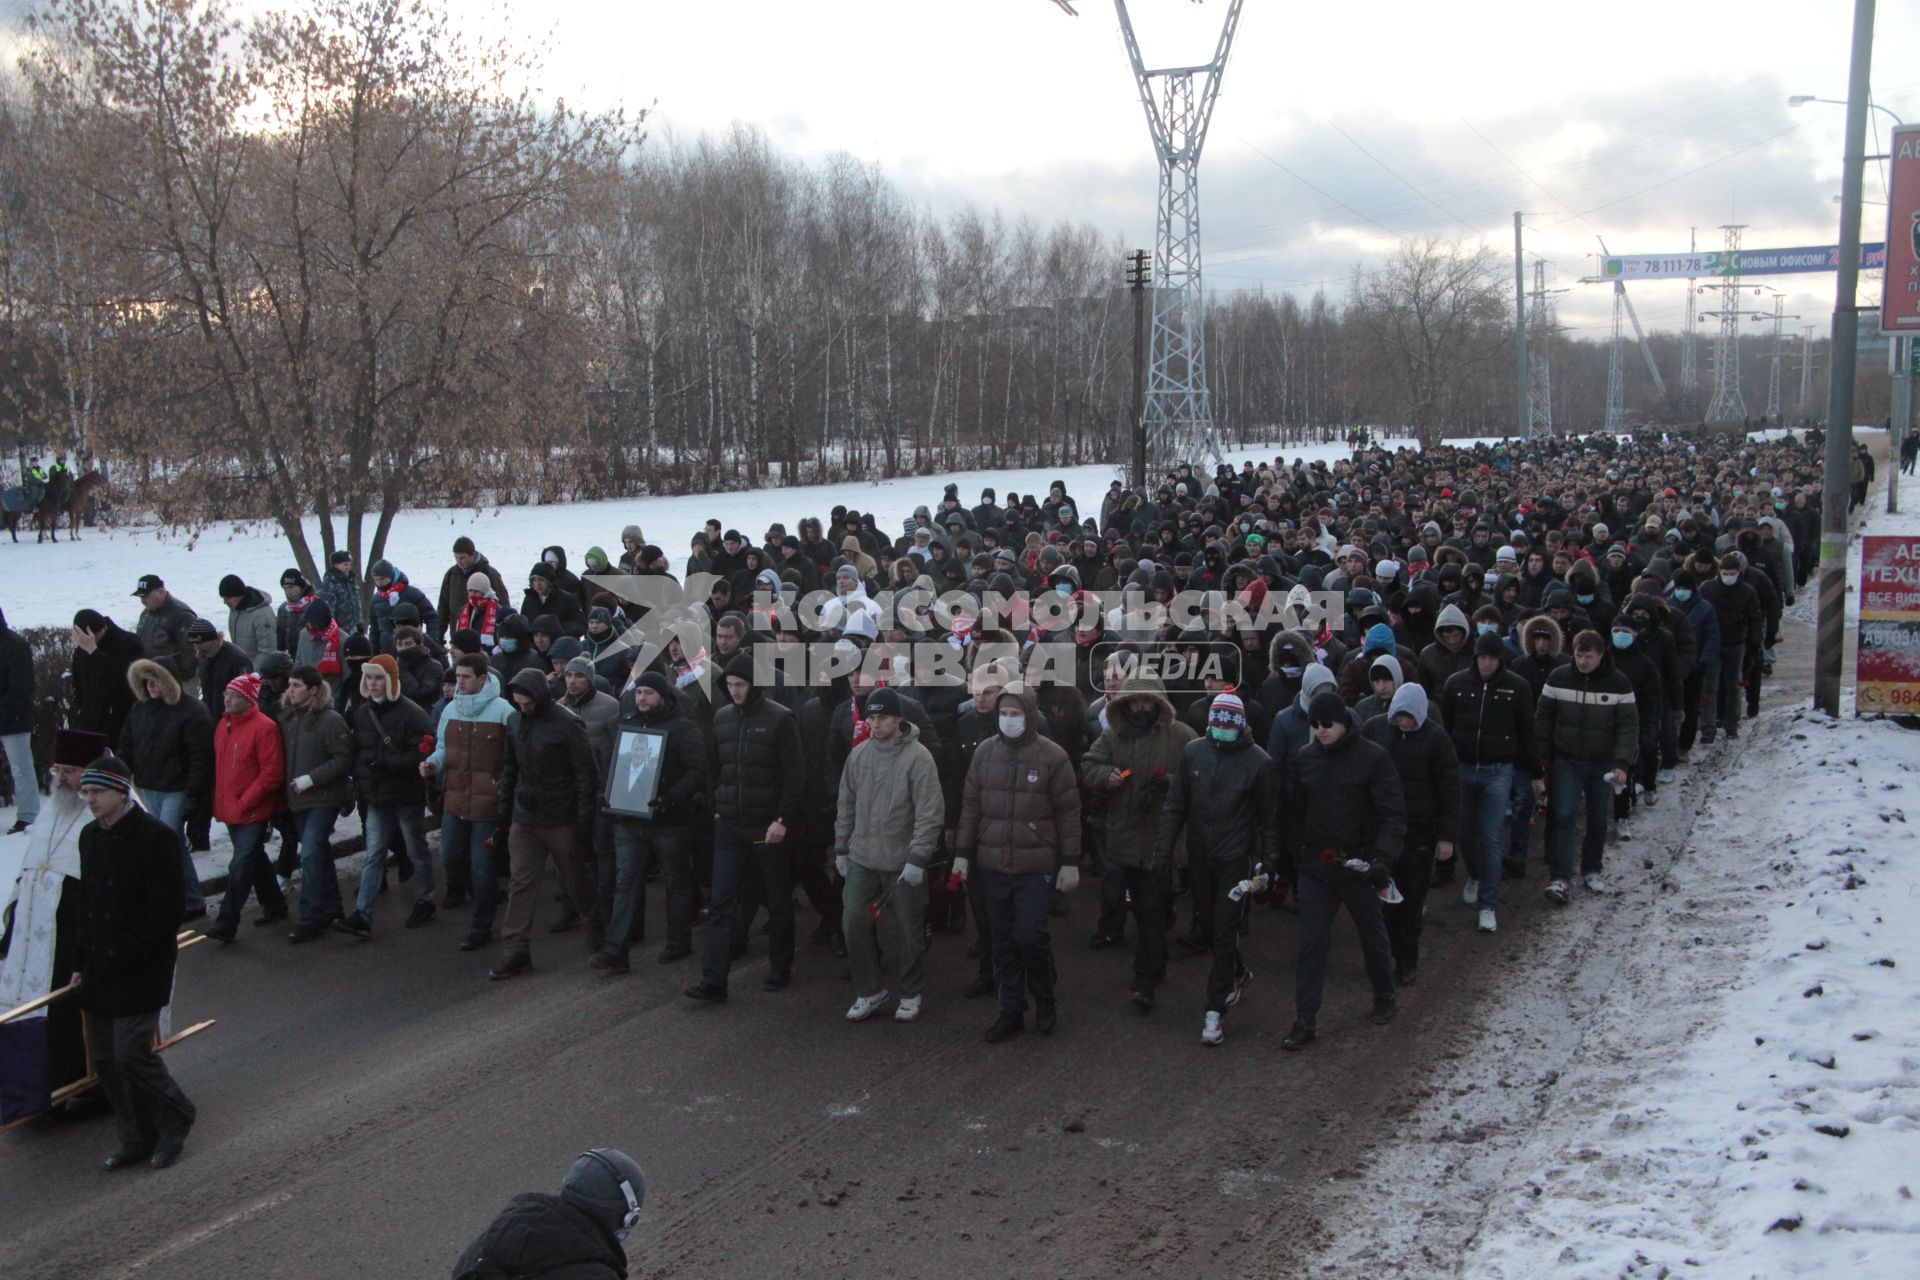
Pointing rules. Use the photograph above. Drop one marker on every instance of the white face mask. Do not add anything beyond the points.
(1013, 726)
(1730, 578)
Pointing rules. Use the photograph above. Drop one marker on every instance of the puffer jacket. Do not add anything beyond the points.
(683, 773)
(1222, 797)
(1020, 806)
(1346, 803)
(471, 752)
(756, 764)
(547, 778)
(248, 767)
(1490, 721)
(254, 628)
(388, 736)
(1425, 760)
(542, 1235)
(1705, 621)
(168, 740)
(1588, 718)
(1150, 759)
(891, 805)
(318, 746)
(600, 713)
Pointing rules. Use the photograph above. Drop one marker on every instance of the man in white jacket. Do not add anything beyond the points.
(888, 828)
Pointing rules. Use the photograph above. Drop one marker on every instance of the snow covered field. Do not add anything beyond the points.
(43, 585)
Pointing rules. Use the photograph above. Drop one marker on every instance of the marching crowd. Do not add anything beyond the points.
(1311, 685)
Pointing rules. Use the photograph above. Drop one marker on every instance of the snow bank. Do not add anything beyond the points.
(45, 584)
(1758, 1112)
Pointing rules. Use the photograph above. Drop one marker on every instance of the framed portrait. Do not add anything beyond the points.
(633, 783)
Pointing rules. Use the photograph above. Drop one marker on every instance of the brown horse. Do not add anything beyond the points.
(46, 516)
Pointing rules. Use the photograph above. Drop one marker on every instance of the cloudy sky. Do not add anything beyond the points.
(1340, 127)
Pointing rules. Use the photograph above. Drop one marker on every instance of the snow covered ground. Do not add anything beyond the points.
(43, 585)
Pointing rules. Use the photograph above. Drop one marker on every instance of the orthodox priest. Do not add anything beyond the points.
(39, 937)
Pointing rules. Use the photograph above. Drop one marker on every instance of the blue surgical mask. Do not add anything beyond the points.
(1730, 578)
(509, 645)
(1683, 594)
(1487, 628)
(1063, 588)
(1585, 599)
(1623, 639)
(1221, 734)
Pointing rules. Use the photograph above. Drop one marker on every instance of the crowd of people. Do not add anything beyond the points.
(1307, 684)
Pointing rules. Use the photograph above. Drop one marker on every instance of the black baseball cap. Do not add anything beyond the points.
(148, 582)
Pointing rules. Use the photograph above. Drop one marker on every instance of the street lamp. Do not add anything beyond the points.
(1802, 99)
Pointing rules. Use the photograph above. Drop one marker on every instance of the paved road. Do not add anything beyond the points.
(365, 1107)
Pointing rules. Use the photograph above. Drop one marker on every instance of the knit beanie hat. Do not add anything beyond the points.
(109, 771)
(1227, 712)
(231, 585)
(1326, 705)
(247, 686)
(478, 584)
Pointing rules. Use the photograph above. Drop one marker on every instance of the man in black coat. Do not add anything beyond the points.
(755, 764)
(218, 661)
(16, 724)
(391, 736)
(1350, 824)
(663, 836)
(130, 884)
(548, 802)
(1429, 769)
(102, 653)
(576, 1235)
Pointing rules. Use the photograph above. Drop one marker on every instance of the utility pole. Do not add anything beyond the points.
(1139, 274)
(1831, 637)
(1521, 389)
(1806, 373)
(1902, 352)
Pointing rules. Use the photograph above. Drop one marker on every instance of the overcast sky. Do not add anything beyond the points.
(1340, 127)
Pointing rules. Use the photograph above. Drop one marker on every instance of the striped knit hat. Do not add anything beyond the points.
(109, 771)
(247, 686)
(1227, 711)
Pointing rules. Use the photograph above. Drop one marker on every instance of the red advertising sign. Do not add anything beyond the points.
(1888, 679)
(1900, 302)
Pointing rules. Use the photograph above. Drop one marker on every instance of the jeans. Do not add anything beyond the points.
(171, 808)
(636, 845)
(1320, 901)
(737, 857)
(469, 865)
(1022, 951)
(26, 784)
(1733, 658)
(248, 870)
(1519, 818)
(1573, 786)
(147, 1104)
(900, 929)
(1485, 792)
(1217, 917)
(319, 886)
(382, 822)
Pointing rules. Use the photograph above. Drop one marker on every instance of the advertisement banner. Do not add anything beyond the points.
(1888, 679)
(1751, 262)
(1900, 300)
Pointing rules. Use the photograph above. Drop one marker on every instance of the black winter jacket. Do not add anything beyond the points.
(547, 777)
(682, 797)
(100, 693)
(755, 761)
(1588, 718)
(16, 681)
(1223, 796)
(387, 755)
(1429, 775)
(131, 884)
(1490, 721)
(169, 745)
(216, 673)
(1346, 803)
(542, 1235)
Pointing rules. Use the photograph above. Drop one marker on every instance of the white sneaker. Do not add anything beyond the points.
(1650, 798)
(1487, 923)
(1214, 1032)
(1666, 776)
(1594, 883)
(1470, 892)
(1557, 893)
(908, 1010)
(865, 1007)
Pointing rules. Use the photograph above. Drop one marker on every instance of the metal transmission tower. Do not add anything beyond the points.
(1728, 404)
(1540, 331)
(1773, 374)
(1806, 373)
(1179, 104)
(1689, 370)
(1616, 419)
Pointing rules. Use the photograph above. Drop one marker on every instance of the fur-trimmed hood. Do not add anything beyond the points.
(147, 669)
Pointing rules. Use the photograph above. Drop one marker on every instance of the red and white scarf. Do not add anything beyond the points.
(480, 614)
(329, 663)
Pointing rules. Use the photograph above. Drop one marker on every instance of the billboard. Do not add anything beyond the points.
(1749, 262)
(1888, 679)
(1900, 300)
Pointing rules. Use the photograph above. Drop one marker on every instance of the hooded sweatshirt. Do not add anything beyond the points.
(1428, 767)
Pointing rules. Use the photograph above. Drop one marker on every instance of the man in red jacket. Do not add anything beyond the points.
(249, 772)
